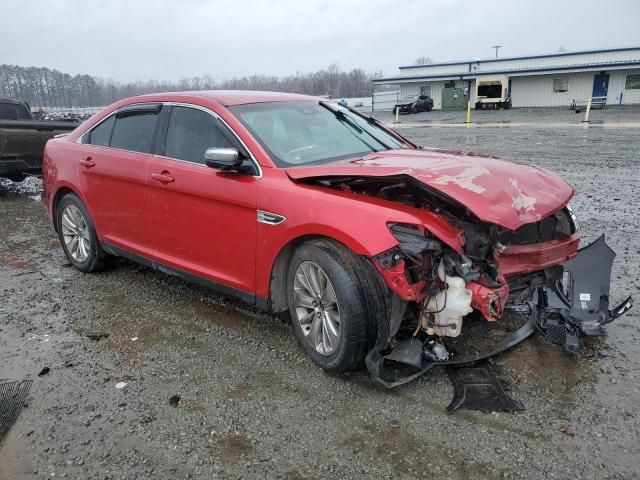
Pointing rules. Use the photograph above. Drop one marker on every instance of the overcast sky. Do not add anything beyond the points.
(169, 39)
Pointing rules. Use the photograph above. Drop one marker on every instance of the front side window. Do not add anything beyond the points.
(190, 133)
(308, 131)
(133, 131)
(560, 85)
(632, 82)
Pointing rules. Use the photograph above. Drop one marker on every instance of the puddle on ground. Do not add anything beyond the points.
(412, 457)
(552, 371)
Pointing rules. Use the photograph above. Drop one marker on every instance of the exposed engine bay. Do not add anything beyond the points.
(535, 272)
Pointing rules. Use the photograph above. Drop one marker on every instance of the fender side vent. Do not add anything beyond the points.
(269, 218)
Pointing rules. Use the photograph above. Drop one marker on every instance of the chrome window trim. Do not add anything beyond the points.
(176, 104)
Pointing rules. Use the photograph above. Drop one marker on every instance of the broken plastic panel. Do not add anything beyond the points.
(579, 305)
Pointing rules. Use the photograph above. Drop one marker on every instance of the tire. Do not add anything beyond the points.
(355, 312)
(74, 223)
(414, 109)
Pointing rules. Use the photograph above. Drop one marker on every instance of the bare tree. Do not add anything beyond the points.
(423, 61)
(44, 87)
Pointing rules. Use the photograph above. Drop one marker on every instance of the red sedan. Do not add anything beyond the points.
(380, 251)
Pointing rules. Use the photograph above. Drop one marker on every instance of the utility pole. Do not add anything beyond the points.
(497, 47)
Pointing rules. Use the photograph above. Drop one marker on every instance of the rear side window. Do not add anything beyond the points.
(190, 133)
(134, 131)
(101, 135)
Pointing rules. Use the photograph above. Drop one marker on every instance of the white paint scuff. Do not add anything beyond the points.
(521, 203)
(465, 179)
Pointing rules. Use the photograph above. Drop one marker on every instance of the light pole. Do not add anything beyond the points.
(497, 47)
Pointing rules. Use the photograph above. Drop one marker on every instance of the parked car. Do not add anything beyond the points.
(379, 251)
(414, 104)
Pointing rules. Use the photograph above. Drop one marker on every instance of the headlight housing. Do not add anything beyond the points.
(574, 219)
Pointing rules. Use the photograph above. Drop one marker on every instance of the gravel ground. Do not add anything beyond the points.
(251, 405)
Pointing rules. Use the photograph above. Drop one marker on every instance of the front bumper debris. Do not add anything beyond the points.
(579, 305)
(572, 307)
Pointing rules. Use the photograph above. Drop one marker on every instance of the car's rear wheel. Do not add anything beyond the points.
(77, 235)
(328, 307)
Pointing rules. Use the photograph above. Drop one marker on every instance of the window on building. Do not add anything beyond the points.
(425, 90)
(632, 82)
(560, 85)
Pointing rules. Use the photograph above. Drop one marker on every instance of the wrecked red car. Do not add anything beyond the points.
(381, 252)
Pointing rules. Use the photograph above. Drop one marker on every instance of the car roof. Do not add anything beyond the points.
(229, 97)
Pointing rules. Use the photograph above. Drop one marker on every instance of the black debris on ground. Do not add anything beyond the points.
(12, 399)
(477, 387)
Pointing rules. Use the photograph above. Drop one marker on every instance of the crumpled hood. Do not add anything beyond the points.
(497, 191)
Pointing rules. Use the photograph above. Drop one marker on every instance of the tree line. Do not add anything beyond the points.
(48, 88)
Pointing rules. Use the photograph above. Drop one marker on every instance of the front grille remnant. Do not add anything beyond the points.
(12, 398)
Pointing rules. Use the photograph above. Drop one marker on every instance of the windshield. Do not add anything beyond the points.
(309, 131)
(409, 99)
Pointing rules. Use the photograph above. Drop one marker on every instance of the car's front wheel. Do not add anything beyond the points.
(329, 310)
(78, 236)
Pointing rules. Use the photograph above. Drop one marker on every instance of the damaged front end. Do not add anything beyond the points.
(450, 291)
(543, 279)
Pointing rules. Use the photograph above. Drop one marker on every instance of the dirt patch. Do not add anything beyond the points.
(410, 457)
(233, 447)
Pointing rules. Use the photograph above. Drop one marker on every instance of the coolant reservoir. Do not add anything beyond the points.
(448, 307)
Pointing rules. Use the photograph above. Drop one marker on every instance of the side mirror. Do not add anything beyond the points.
(222, 158)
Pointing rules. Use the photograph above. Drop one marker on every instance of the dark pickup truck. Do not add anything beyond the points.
(22, 138)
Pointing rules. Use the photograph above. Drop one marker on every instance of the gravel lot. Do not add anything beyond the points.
(252, 406)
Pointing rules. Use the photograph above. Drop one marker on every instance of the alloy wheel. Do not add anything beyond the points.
(75, 233)
(317, 308)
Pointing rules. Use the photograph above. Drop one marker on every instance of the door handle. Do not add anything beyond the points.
(87, 162)
(163, 177)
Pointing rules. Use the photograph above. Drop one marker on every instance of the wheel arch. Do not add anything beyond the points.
(58, 195)
(277, 301)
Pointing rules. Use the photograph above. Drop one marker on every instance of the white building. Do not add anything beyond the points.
(549, 80)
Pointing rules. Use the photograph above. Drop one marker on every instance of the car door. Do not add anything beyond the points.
(112, 168)
(203, 219)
